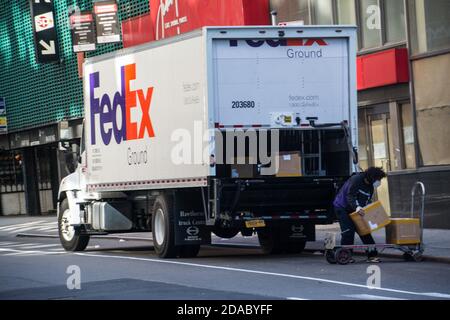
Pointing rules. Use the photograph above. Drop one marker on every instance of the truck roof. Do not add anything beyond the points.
(241, 32)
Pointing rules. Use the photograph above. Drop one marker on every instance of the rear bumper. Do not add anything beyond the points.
(277, 199)
(324, 218)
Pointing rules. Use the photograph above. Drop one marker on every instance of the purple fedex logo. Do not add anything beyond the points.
(124, 101)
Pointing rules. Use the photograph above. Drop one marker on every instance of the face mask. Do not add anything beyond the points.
(376, 184)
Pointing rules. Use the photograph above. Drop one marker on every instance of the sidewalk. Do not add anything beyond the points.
(437, 242)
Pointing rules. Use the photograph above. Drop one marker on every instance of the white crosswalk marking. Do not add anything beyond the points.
(21, 225)
(24, 254)
(29, 249)
(46, 229)
(9, 248)
(22, 244)
(5, 243)
(40, 246)
(15, 252)
(40, 225)
(21, 253)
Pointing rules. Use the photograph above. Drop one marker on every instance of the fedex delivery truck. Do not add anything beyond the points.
(221, 131)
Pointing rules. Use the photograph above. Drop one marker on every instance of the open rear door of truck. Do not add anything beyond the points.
(261, 77)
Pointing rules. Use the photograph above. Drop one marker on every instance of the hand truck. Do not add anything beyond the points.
(343, 254)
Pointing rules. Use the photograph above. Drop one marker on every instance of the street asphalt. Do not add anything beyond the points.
(235, 269)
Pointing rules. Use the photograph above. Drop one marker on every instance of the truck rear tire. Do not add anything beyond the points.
(163, 228)
(296, 247)
(271, 241)
(225, 233)
(67, 235)
(188, 251)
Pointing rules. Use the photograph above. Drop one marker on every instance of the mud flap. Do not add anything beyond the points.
(190, 220)
(190, 229)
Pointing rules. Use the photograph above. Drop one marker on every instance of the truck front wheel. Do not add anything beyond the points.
(163, 227)
(67, 235)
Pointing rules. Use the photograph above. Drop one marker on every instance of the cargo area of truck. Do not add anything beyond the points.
(305, 189)
(322, 152)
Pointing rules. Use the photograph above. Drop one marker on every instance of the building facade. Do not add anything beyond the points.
(403, 96)
(44, 105)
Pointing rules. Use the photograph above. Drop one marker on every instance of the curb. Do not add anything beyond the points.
(395, 256)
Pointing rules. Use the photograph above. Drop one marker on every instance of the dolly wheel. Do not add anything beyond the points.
(417, 256)
(407, 256)
(343, 256)
(330, 256)
(413, 256)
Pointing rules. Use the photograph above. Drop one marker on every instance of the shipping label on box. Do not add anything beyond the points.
(375, 218)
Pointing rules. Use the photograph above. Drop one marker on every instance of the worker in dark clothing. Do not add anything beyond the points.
(355, 194)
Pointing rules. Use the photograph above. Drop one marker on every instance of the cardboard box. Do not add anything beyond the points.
(247, 170)
(403, 231)
(374, 219)
(289, 164)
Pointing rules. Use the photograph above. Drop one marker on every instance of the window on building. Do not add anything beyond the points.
(390, 142)
(370, 23)
(291, 10)
(432, 106)
(11, 176)
(381, 22)
(430, 25)
(322, 11)
(362, 140)
(408, 135)
(43, 168)
(394, 17)
(346, 12)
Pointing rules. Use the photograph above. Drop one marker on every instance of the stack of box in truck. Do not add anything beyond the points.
(165, 122)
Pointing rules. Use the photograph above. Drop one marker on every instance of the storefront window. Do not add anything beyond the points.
(11, 176)
(394, 15)
(370, 23)
(323, 12)
(408, 135)
(430, 25)
(391, 163)
(432, 106)
(362, 145)
(291, 10)
(346, 12)
(43, 168)
(379, 143)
